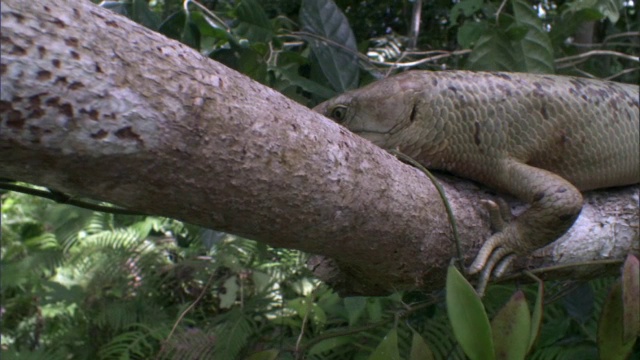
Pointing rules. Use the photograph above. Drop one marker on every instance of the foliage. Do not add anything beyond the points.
(87, 284)
(81, 284)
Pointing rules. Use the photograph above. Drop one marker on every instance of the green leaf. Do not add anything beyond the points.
(464, 7)
(244, 60)
(470, 32)
(535, 48)
(264, 355)
(492, 52)
(206, 28)
(337, 56)
(468, 317)
(253, 23)
(579, 303)
(136, 10)
(511, 329)
(631, 298)
(388, 348)
(608, 8)
(305, 84)
(330, 344)
(374, 309)
(611, 345)
(355, 307)
(419, 349)
(143, 15)
(228, 298)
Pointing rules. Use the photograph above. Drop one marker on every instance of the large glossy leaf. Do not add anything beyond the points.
(611, 345)
(330, 344)
(264, 355)
(245, 60)
(492, 52)
(470, 32)
(511, 329)
(535, 48)
(464, 7)
(307, 85)
(388, 347)
(468, 317)
(141, 13)
(253, 22)
(332, 42)
(355, 307)
(419, 349)
(579, 303)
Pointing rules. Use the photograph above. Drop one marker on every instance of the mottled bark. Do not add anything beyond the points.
(94, 105)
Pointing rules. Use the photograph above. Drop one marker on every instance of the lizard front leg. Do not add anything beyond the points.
(554, 206)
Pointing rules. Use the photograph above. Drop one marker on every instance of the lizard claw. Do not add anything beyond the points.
(499, 213)
(495, 256)
(493, 259)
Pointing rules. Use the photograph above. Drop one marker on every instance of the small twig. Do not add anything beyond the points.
(415, 24)
(504, 2)
(594, 53)
(625, 71)
(208, 12)
(623, 34)
(598, 45)
(66, 199)
(303, 34)
(302, 327)
(184, 313)
(422, 61)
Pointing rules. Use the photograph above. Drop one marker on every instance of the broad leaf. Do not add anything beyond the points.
(332, 42)
(464, 7)
(535, 48)
(253, 23)
(470, 32)
(330, 344)
(419, 349)
(511, 329)
(388, 348)
(492, 52)
(355, 307)
(468, 317)
(264, 355)
(611, 345)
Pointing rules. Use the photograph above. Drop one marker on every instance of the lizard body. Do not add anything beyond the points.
(541, 138)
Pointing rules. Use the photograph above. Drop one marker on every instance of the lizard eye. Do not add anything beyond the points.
(338, 113)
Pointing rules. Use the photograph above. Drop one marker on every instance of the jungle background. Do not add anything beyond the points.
(78, 283)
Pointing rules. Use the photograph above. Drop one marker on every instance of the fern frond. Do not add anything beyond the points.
(140, 342)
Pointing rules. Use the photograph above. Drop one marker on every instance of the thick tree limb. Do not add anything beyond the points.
(94, 105)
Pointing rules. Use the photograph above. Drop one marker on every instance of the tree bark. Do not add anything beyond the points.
(97, 106)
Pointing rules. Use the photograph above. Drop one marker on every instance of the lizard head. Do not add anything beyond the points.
(375, 112)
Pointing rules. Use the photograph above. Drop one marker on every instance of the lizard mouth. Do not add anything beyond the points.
(396, 128)
(377, 137)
